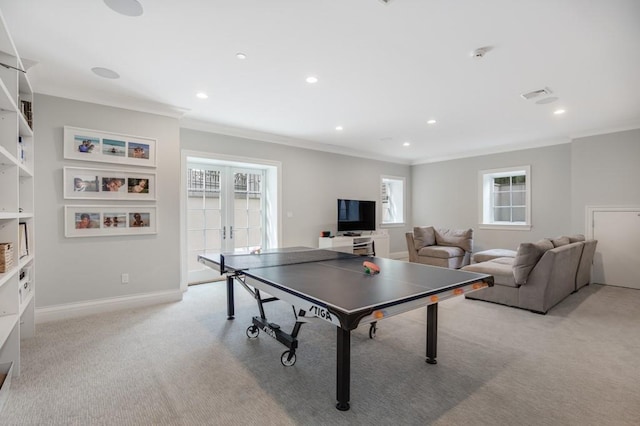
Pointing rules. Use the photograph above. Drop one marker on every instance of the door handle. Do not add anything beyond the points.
(224, 232)
(231, 232)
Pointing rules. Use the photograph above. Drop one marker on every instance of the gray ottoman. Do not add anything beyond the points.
(485, 255)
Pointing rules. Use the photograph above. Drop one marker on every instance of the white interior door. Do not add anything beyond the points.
(618, 251)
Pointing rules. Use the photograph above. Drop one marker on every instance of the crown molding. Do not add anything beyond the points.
(132, 104)
(622, 128)
(493, 150)
(210, 127)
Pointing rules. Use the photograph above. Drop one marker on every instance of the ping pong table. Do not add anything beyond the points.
(331, 286)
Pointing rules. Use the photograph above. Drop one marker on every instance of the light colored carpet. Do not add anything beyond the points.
(185, 364)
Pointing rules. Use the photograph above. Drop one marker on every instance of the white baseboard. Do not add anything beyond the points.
(79, 309)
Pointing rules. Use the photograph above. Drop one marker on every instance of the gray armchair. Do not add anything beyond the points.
(448, 248)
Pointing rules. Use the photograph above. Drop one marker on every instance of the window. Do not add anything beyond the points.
(392, 196)
(506, 198)
(199, 181)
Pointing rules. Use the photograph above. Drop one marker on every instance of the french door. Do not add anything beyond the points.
(225, 212)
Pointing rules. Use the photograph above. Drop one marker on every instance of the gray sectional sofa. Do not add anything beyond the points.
(448, 248)
(541, 274)
(583, 277)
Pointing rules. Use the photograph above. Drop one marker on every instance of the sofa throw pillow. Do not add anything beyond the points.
(560, 241)
(462, 238)
(424, 236)
(527, 257)
(544, 245)
(576, 238)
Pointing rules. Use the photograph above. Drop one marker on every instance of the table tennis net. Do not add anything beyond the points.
(281, 257)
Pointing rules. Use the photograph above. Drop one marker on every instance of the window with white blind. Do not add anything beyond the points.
(505, 196)
(392, 194)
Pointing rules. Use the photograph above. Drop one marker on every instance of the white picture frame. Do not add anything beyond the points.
(97, 145)
(23, 243)
(102, 221)
(81, 183)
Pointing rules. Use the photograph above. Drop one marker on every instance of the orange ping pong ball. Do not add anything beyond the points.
(378, 314)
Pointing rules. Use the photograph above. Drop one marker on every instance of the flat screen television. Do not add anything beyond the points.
(356, 215)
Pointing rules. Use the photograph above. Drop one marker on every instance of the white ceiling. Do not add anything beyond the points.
(383, 69)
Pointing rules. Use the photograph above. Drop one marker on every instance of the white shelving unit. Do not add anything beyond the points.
(17, 282)
(364, 244)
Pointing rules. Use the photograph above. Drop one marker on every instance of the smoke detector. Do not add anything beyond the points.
(480, 52)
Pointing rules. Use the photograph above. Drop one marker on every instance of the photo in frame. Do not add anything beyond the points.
(97, 145)
(23, 244)
(108, 184)
(101, 221)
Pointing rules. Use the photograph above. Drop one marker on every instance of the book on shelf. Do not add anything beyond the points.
(21, 152)
(23, 246)
(6, 256)
(25, 108)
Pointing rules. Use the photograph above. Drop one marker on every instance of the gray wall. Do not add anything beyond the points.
(78, 269)
(597, 170)
(81, 269)
(446, 194)
(605, 172)
(311, 183)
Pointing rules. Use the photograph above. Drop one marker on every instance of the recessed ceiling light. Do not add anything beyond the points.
(125, 7)
(202, 95)
(406, 144)
(105, 72)
(432, 121)
(312, 80)
(339, 128)
(559, 112)
(241, 55)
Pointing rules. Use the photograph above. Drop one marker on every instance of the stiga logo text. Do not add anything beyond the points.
(320, 312)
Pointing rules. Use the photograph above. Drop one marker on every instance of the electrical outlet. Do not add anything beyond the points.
(125, 278)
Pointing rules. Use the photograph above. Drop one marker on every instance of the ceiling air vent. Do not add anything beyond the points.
(536, 93)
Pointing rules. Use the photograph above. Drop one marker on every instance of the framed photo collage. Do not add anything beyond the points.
(134, 183)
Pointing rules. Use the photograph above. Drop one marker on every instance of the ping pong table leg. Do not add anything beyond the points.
(343, 367)
(230, 304)
(432, 333)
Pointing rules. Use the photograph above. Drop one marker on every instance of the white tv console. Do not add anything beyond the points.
(359, 245)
